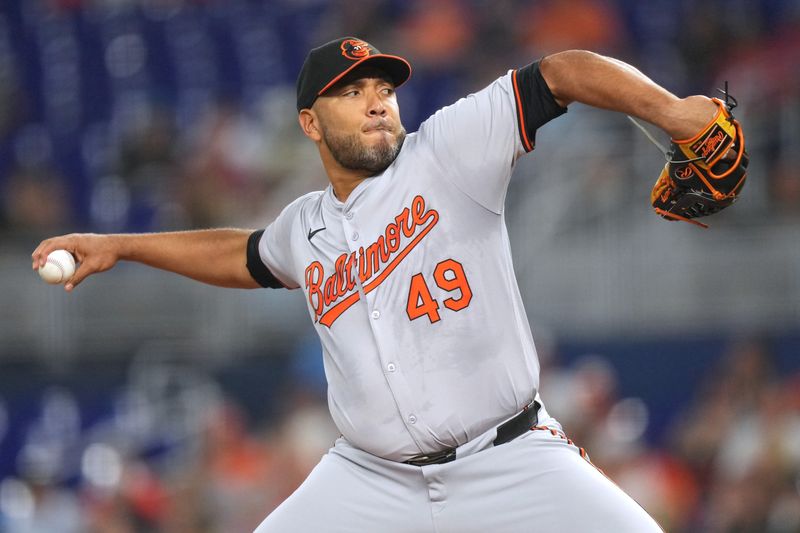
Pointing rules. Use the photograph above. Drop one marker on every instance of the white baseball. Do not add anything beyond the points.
(60, 266)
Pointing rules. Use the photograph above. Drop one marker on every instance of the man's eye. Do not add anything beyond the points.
(353, 92)
(388, 91)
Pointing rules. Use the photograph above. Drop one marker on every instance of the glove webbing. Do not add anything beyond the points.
(667, 214)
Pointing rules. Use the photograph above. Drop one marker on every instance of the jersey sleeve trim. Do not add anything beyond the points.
(536, 105)
(258, 270)
(523, 132)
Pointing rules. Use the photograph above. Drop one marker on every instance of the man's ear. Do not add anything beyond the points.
(309, 123)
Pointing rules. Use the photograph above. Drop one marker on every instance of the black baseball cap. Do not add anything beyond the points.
(329, 63)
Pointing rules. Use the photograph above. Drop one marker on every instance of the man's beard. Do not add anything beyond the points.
(352, 154)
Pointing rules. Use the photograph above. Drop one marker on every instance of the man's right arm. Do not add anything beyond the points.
(214, 256)
(607, 83)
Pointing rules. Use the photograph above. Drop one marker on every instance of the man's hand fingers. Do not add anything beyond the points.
(93, 253)
(42, 251)
(84, 270)
(39, 255)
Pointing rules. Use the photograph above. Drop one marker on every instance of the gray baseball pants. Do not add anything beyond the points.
(538, 482)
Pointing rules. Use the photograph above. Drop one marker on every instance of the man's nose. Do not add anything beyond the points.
(375, 105)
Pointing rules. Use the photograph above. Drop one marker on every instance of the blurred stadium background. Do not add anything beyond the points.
(148, 403)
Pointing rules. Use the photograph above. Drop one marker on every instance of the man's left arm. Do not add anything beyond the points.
(607, 83)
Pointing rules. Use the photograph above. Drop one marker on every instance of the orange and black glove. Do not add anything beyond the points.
(703, 174)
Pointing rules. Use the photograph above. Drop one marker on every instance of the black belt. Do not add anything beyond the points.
(509, 430)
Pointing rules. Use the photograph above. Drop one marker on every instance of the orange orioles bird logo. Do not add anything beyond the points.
(355, 49)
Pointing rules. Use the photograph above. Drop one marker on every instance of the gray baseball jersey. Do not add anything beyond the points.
(426, 345)
(411, 287)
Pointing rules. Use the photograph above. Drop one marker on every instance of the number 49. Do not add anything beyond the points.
(449, 276)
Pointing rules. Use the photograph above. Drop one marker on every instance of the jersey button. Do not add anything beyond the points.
(354, 236)
(376, 314)
(349, 215)
(412, 419)
(390, 367)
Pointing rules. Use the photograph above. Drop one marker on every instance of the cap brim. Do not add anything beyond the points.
(395, 66)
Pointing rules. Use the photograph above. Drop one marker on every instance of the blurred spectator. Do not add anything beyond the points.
(785, 189)
(438, 34)
(36, 202)
(741, 439)
(38, 507)
(148, 166)
(223, 161)
(550, 26)
(660, 483)
(582, 397)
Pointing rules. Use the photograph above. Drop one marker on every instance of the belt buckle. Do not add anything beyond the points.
(438, 458)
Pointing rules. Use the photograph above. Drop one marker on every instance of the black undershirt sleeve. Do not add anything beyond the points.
(536, 105)
(256, 266)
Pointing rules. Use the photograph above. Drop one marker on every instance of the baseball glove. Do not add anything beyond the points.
(703, 174)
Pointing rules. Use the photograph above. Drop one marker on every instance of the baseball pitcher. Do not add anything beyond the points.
(405, 267)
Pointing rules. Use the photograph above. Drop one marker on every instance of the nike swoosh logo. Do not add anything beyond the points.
(314, 232)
